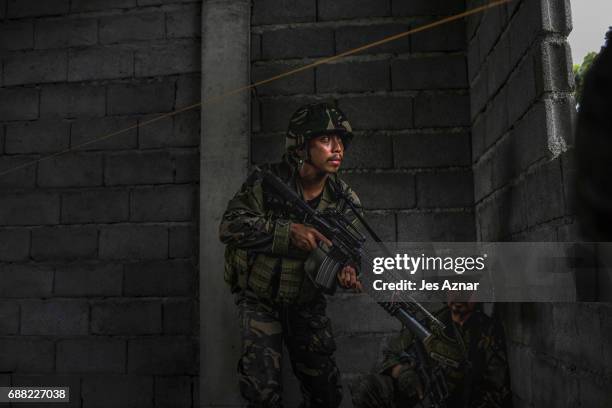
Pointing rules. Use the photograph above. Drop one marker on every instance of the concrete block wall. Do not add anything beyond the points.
(98, 247)
(408, 102)
(522, 115)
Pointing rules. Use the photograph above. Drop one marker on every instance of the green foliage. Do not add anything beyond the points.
(580, 72)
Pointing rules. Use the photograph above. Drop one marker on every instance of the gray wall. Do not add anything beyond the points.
(522, 142)
(408, 102)
(98, 247)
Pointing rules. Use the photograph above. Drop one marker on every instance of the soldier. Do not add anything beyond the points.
(267, 249)
(471, 351)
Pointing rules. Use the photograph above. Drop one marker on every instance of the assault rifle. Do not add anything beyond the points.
(348, 248)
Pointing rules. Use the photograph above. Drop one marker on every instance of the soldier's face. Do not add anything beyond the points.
(326, 153)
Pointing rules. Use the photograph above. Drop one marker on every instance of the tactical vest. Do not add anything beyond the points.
(281, 279)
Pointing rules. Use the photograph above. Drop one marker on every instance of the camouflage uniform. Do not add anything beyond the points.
(278, 301)
(480, 338)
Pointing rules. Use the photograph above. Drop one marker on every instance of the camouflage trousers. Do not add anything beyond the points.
(379, 391)
(306, 331)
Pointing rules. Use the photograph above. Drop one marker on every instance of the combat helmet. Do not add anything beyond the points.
(314, 120)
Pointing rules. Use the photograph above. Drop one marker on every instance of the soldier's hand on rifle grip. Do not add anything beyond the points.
(306, 238)
(347, 277)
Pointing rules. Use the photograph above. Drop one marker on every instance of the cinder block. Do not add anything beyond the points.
(439, 72)
(346, 9)
(44, 136)
(285, 11)
(267, 149)
(445, 189)
(513, 209)
(297, 43)
(436, 226)
(93, 134)
(133, 242)
(370, 150)
(72, 100)
(183, 242)
(366, 316)
(447, 37)
(479, 92)
(18, 104)
(384, 224)
(132, 27)
(179, 316)
(545, 193)
(383, 190)
(33, 8)
(496, 118)
(473, 59)
(64, 243)
(14, 244)
(71, 170)
(431, 149)
(276, 112)
(483, 179)
(353, 77)
(554, 67)
(426, 7)
(88, 280)
(25, 281)
(379, 112)
(184, 23)
(168, 278)
(128, 390)
(35, 67)
(9, 317)
(54, 317)
(129, 317)
(154, 132)
(557, 16)
(499, 64)
(91, 355)
(186, 129)
(478, 137)
(568, 169)
(530, 138)
(16, 35)
(255, 47)
(526, 24)
(141, 98)
(173, 392)
(302, 82)
(62, 33)
(26, 355)
(491, 27)
(101, 63)
(36, 208)
(169, 59)
(19, 171)
(163, 356)
(188, 90)
(351, 37)
(138, 168)
(168, 203)
(442, 110)
(98, 206)
(187, 167)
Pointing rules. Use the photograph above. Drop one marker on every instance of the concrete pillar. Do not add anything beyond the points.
(224, 161)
